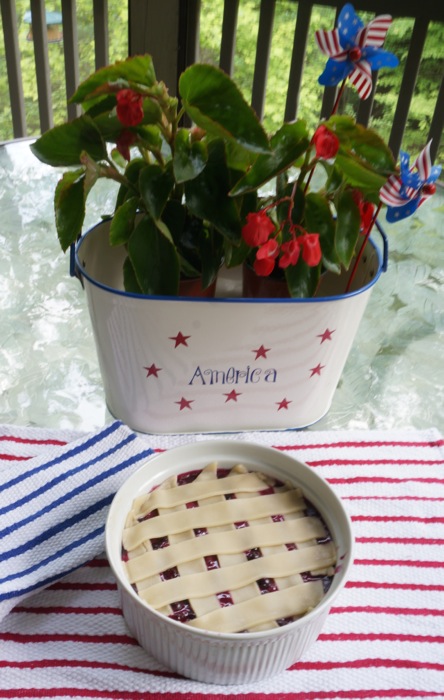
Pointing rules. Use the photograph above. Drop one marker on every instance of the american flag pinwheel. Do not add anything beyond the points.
(354, 50)
(404, 193)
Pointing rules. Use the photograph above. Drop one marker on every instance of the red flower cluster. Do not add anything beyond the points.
(325, 142)
(257, 233)
(129, 107)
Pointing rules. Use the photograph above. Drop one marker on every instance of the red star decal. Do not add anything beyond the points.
(232, 396)
(261, 352)
(180, 339)
(326, 335)
(152, 370)
(283, 404)
(316, 370)
(184, 403)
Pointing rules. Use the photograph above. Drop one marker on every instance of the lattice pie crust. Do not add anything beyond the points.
(228, 550)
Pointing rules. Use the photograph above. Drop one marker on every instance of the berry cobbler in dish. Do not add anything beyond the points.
(228, 550)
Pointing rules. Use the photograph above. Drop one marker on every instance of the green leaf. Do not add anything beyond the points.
(370, 146)
(334, 177)
(132, 173)
(64, 144)
(200, 249)
(319, 219)
(92, 172)
(189, 158)
(207, 195)
(102, 106)
(137, 69)
(69, 205)
(156, 185)
(122, 223)
(302, 280)
(290, 142)
(235, 255)
(154, 259)
(238, 158)
(364, 142)
(347, 227)
(149, 136)
(174, 216)
(216, 104)
(130, 282)
(211, 255)
(357, 173)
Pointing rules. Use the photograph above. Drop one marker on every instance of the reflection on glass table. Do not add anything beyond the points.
(394, 376)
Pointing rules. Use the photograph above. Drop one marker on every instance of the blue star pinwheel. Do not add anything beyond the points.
(354, 50)
(404, 193)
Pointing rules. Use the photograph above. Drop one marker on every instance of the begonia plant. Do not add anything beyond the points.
(222, 188)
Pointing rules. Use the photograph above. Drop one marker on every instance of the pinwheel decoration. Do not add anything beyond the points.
(354, 50)
(404, 193)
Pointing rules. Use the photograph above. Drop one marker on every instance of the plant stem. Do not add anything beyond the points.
(110, 171)
(312, 167)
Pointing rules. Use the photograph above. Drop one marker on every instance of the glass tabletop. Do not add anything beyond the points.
(393, 378)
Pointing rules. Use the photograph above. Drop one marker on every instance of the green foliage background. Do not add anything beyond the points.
(118, 48)
(429, 78)
(389, 82)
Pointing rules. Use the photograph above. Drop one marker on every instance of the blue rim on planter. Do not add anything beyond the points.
(78, 270)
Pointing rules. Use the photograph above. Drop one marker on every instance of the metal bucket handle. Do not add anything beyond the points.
(73, 267)
(384, 246)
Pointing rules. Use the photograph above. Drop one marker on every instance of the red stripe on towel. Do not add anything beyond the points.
(61, 610)
(397, 519)
(31, 441)
(58, 637)
(400, 540)
(371, 462)
(364, 444)
(377, 610)
(396, 586)
(368, 694)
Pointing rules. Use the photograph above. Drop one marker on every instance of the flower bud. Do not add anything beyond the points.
(124, 142)
(257, 229)
(196, 134)
(311, 249)
(129, 107)
(264, 267)
(325, 142)
(289, 253)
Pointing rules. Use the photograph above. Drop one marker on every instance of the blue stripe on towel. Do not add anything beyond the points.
(60, 458)
(91, 510)
(25, 500)
(20, 592)
(64, 499)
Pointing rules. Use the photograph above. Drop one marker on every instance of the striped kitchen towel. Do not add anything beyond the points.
(383, 639)
(53, 506)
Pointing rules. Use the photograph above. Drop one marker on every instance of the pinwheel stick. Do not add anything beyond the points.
(338, 97)
(362, 248)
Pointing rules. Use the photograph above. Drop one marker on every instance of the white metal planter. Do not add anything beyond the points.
(222, 364)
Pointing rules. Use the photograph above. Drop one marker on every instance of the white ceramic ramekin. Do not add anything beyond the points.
(210, 656)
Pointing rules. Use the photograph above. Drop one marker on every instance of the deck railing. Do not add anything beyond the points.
(170, 31)
(38, 13)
